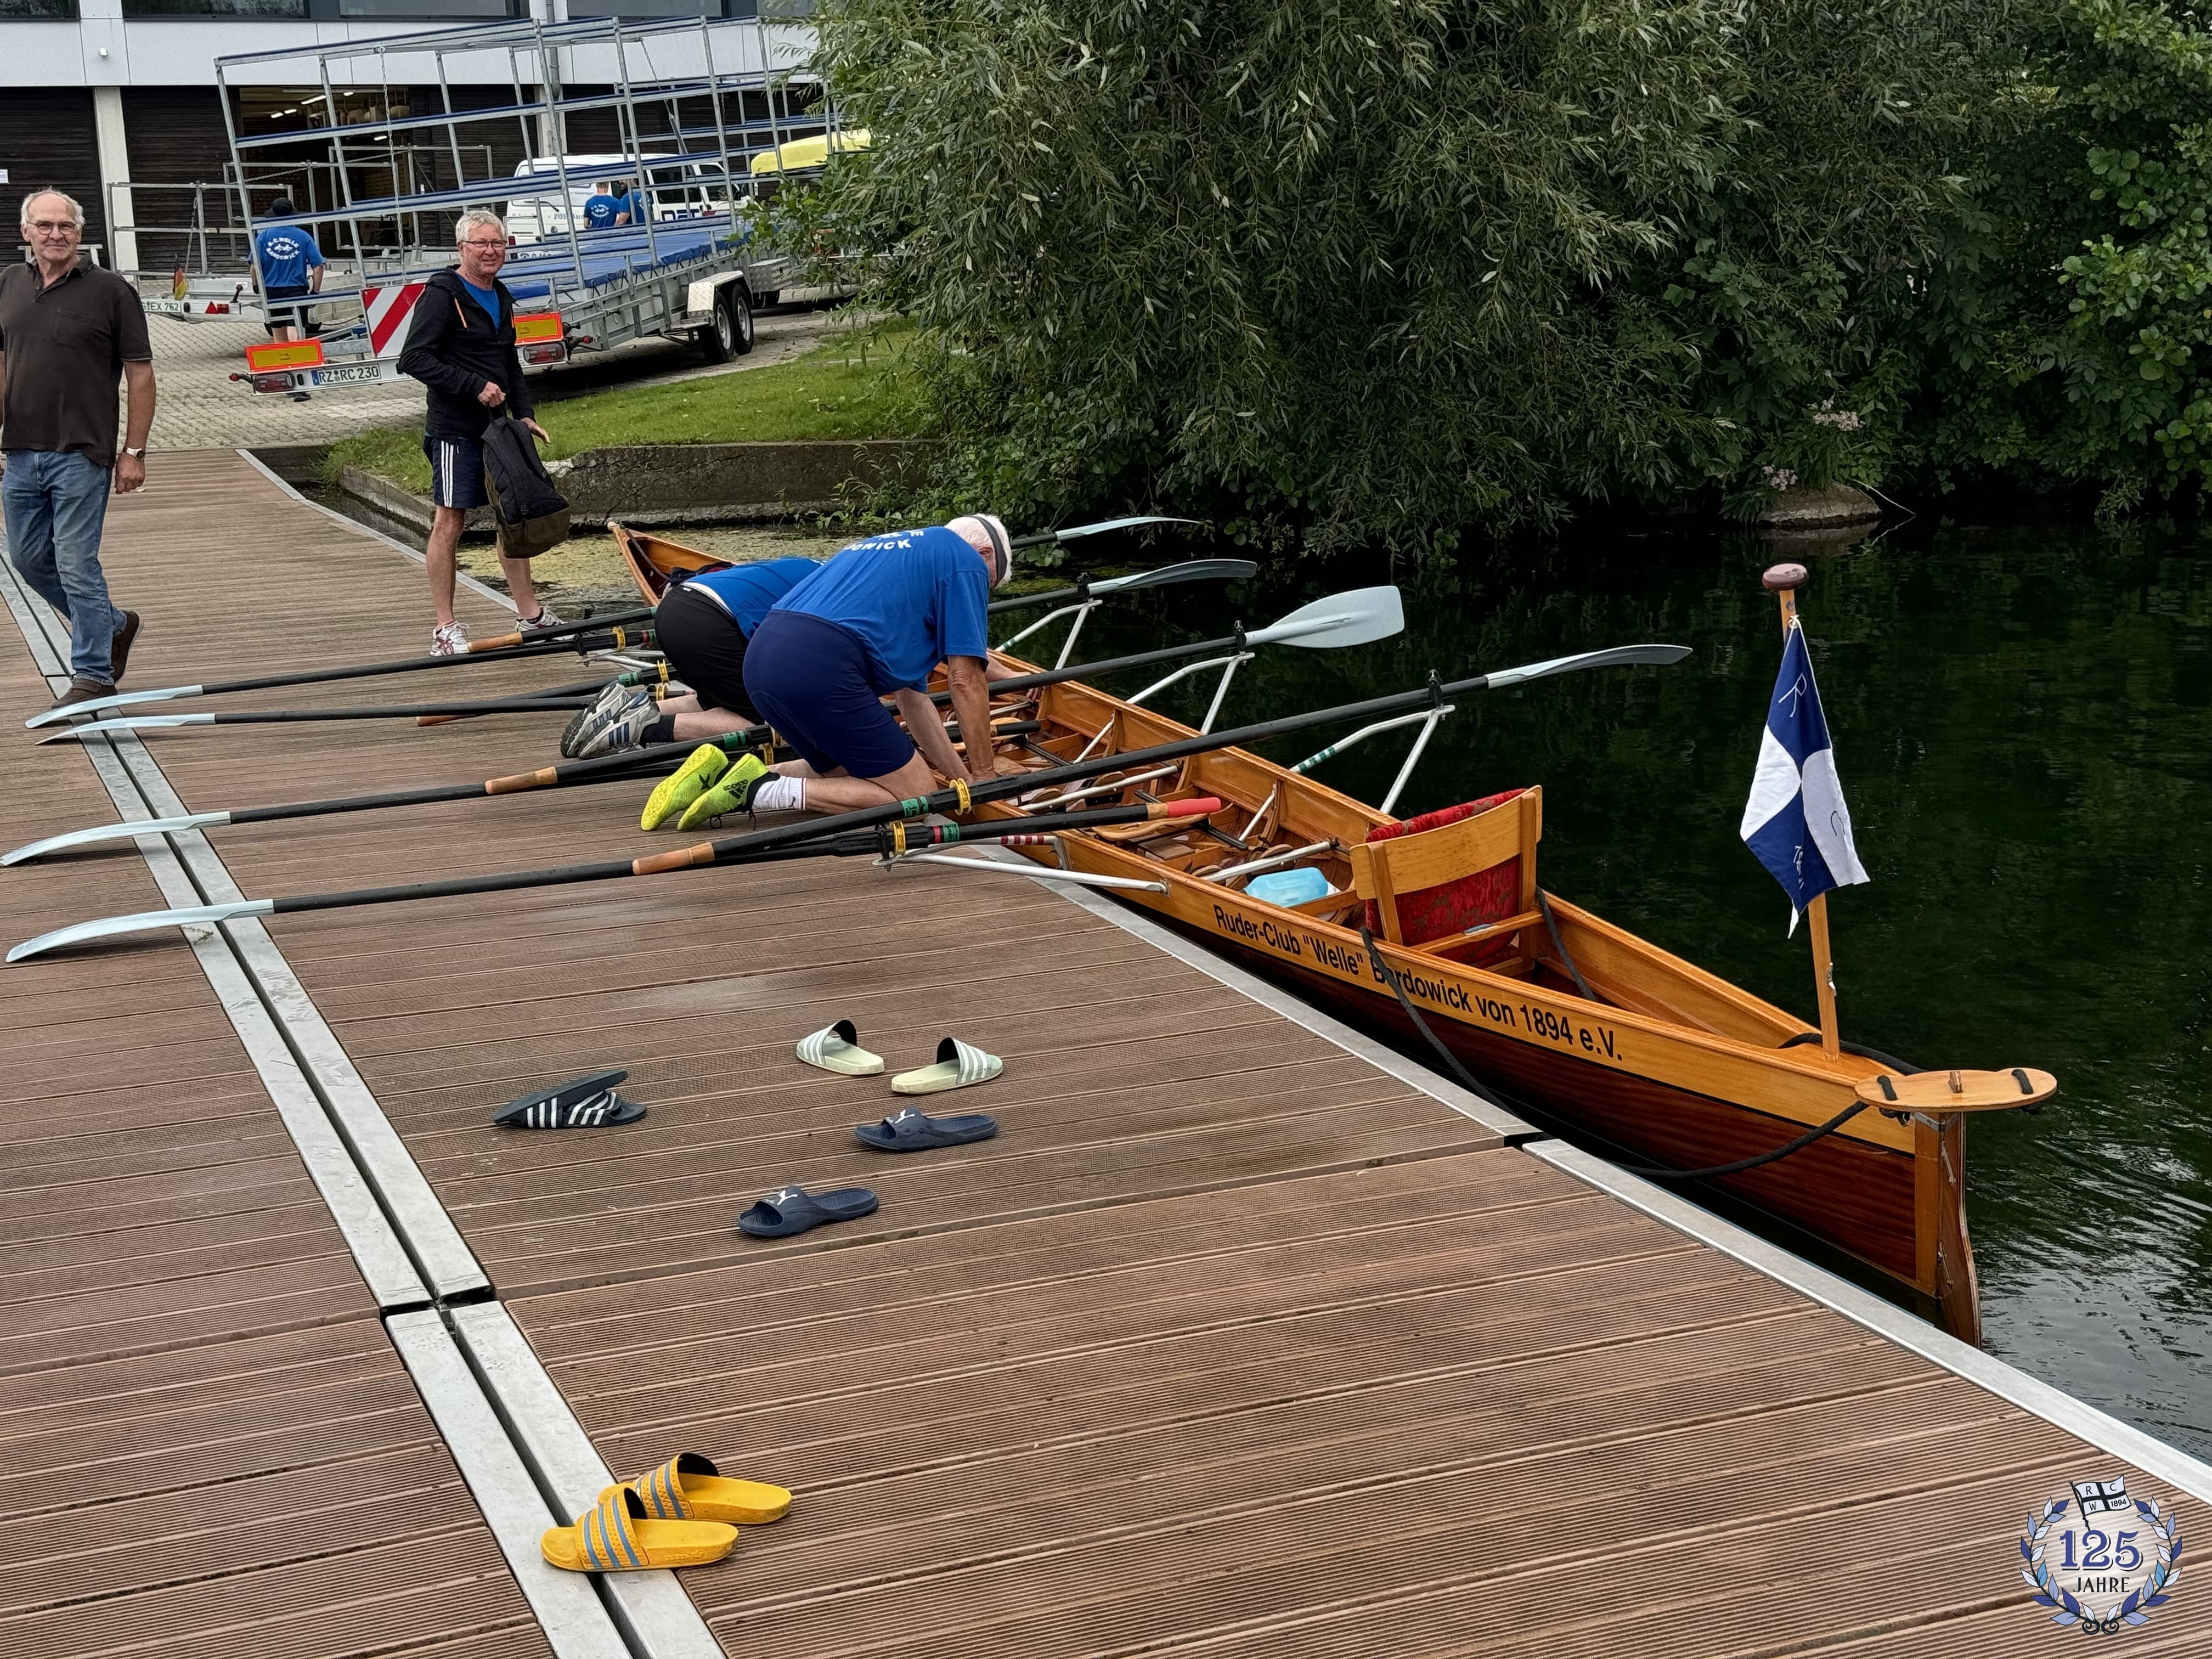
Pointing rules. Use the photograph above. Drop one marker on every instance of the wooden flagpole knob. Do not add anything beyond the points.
(1781, 578)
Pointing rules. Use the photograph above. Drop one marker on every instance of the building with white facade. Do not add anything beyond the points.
(116, 102)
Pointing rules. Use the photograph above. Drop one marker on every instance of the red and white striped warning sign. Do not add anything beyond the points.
(389, 309)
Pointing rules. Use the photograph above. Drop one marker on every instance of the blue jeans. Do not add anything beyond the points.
(56, 502)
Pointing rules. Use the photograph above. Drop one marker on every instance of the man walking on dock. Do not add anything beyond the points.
(69, 330)
(461, 344)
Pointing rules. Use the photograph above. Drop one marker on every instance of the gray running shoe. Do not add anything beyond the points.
(542, 622)
(626, 707)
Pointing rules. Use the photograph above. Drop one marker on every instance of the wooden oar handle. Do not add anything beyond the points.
(517, 781)
(682, 859)
(1194, 806)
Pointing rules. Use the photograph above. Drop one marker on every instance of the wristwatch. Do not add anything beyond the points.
(136, 454)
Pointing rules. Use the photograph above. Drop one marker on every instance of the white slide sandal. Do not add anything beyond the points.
(837, 1048)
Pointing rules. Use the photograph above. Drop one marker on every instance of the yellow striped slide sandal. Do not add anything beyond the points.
(689, 1487)
(617, 1536)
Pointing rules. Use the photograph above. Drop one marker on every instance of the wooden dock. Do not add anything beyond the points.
(1246, 1337)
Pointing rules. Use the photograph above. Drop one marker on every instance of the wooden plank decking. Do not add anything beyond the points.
(1231, 1343)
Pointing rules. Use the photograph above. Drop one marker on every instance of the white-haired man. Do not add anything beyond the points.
(875, 621)
(461, 344)
(68, 331)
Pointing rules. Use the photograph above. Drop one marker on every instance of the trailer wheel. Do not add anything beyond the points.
(731, 334)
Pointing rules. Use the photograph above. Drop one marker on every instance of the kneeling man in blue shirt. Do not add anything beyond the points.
(873, 622)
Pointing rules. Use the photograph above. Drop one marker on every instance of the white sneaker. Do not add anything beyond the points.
(614, 703)
(543, 620)
(451, 640)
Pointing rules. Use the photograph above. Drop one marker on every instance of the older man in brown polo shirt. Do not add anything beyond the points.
(67, 331)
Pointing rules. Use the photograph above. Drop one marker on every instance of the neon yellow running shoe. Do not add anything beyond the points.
(681, 787)
(734, 793)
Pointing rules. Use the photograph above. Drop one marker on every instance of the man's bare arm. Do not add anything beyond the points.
(971, 702)
(139, 383)
(928, 732)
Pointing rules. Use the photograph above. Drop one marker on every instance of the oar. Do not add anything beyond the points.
(1357, 618)
(572, 636)
(736, 849)
(1194, 570)
(405, 711)
(1075, 532)
(615, 639)
(603, 769)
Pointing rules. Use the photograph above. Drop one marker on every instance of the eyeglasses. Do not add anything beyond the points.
(54, 227)
(478, 242)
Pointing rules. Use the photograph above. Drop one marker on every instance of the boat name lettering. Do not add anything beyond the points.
(1543, 1023)
(1331, 955)
(1443, 994)
(1239, 926)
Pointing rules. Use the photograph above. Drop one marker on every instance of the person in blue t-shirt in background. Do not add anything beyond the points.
(635, 208)
(291, 267)
(601, 207)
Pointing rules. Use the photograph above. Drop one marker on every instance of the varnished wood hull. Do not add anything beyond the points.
(1676, 1067)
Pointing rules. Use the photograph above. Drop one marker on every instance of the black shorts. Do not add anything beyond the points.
(291, 316)
(706, 650)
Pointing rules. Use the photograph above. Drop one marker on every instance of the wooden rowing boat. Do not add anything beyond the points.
(653, 560)
(1564, 1015)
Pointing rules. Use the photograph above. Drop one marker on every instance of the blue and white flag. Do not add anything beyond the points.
(1796, 823)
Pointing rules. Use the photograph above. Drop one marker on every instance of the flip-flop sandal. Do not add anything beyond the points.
(958, 1067)
(588, 1103)
(908, 1131)
(683, 785)
(836, 1048)
(789, 1211)
(689, 1487)
(617, 1536)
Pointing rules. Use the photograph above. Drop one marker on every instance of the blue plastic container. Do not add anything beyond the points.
(1290, 886)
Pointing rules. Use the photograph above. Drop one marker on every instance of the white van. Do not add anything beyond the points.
(531, 217)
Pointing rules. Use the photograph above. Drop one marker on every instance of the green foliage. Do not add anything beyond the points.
(2072, 321)
(1392, 266)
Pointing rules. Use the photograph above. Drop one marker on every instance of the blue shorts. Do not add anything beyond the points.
(809, 678)
(457, 471)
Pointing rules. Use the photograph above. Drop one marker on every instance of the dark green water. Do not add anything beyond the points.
(2023, 726)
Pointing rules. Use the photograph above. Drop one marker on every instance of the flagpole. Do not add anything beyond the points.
(1783, 580)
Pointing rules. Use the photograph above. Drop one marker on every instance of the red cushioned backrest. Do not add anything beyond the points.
(1465, 901)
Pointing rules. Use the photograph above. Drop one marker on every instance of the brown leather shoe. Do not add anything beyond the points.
(82, 691)
(118, 645)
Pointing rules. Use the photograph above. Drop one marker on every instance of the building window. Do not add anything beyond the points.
(455, 11)
(17, 8)
(662, 7)
(278, 9)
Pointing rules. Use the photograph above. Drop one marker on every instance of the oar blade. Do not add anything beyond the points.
(1076, 533)
(119, 700)
(1619, 656)
(1192, 570)
(1359, 617)
(128, 723)
(103, 832)
(142, 922)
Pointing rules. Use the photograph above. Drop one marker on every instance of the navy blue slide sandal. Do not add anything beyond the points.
(907, 1130)
(585, 1103)
(789, 1211)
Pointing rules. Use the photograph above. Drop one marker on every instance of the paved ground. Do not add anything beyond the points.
(200, 408)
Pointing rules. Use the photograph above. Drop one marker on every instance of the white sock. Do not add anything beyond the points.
(780, 794)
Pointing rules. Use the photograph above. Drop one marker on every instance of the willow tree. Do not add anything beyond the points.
(1395, 265)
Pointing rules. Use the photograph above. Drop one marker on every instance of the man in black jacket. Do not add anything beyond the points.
(461, 344)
